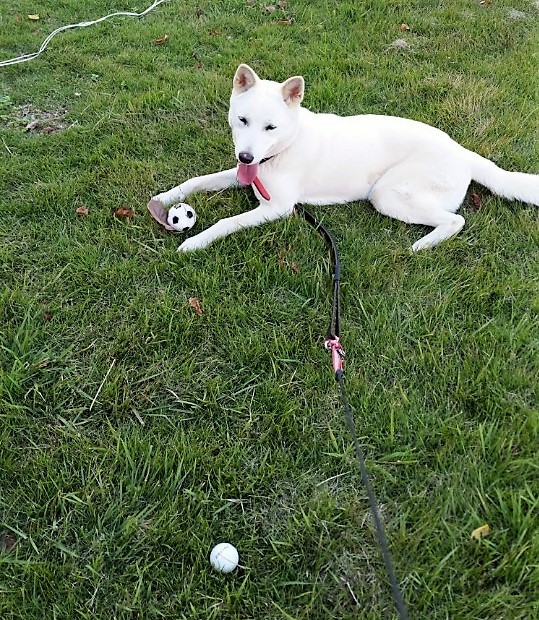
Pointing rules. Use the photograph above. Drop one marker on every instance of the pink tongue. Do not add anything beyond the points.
(247, 173)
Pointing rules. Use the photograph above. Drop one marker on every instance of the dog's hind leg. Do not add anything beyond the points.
(206, 183)
(447, 225)
(422, 199)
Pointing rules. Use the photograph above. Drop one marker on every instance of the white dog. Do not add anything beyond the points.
(406, 169)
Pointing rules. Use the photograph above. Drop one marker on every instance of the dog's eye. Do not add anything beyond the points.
(242, 120)
(270, 127)
(189, 214)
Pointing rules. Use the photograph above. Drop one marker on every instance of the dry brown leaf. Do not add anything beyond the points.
(481, 532)
(283, 263)
(82, 210)
(124, 213)
(286, 22)
(486, 2)
(476, 200)
(7, 541)
(34, 18)
(271, 9)
(404, 27)
(161, 40)
(251, 2)
(194, 302)
(282, 4)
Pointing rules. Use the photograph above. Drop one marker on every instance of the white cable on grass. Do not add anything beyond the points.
(26, 57)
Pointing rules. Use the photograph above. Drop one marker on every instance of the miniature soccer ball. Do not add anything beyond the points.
(181, 217)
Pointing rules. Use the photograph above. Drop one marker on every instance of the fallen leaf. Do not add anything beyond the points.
(82, 210)
(34, 18)
(271, 9)
(476, 200)
(123, 213)
(198, 62)
(404, 27)
(283, 263)
(47, 130)
(282, 4)
(481, 532)
(214, 33)
(161, 40)
(194, 302)
(286, 22)
(7, 541)
(486, 2)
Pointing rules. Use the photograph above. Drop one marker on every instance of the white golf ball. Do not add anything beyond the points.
(224, 557)
(181, 217)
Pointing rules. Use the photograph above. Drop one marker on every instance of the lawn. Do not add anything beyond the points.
(154, 404)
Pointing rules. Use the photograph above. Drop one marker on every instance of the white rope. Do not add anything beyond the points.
(26, 57)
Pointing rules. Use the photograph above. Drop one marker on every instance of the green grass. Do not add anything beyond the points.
(135, 434)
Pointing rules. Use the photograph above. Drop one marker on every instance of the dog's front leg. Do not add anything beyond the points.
(265, 212)
(206, 183)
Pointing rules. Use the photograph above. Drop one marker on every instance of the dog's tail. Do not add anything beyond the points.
(512, 185)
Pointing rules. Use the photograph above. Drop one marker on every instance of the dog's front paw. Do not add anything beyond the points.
(193, 243)
(176, 194)
(420, 245)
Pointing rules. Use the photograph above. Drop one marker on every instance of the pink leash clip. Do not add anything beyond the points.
(334, 345)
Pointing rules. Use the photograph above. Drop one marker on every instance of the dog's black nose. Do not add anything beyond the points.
(245, 157)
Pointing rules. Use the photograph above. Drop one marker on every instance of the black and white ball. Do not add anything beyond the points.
(181, 217)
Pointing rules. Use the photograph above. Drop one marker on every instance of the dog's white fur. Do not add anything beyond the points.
(406, 169)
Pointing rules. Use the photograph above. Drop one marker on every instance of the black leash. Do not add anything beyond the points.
(333, 344)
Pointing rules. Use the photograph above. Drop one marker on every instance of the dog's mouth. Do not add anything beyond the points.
(247, 173)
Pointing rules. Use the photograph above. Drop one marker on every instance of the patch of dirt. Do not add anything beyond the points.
(33, 120)
(514, 14)
(399, 44)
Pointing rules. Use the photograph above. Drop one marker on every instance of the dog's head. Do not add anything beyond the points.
(263, 114)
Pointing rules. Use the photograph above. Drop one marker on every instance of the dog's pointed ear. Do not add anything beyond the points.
(293, 90)
(244, 79)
